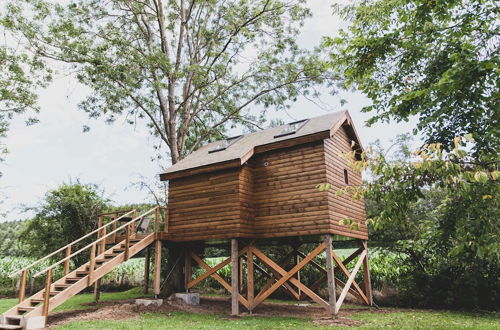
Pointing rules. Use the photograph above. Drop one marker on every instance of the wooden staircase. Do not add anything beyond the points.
(32, 312)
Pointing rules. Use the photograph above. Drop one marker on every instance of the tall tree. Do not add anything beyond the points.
(66, 213)
(191, 68)
(21, 74)
(435, 59)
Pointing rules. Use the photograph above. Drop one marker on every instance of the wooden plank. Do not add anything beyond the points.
(346, 272)
(22, 285)
(332, 299)
(250, 277)
(147, 262)
(234, 278)
(350, 281)
(127, 242)
(67, 261)
(157, 268)
(187, 268)
(46, 294)
(218, 278)
(366, 275)
(91, 265)
(287, 276)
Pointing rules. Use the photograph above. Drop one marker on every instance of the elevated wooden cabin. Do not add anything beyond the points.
(264, 184)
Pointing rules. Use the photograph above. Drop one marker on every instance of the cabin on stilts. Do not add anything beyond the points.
(240, 195)
(260, 189)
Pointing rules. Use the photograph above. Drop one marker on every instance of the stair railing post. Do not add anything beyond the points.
(67, 261)
(91, 264)
(157, 219)
(127, 243)
(114, 230)
(22, 285)
(46, 293)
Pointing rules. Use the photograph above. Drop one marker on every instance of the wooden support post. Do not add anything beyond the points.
(240, 278)
(157, 268)
(332, 299)
(91, 265)
(234, 277)
(127, 243)
(22, 286)
(115, 225)
(366, 275)
(157, 220)
(250, 282)
(67, 261)
(187, 268)
(297, 260)
(146, 269)
(46, 293)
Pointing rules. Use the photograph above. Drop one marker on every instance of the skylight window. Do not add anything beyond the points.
(224, 144)
(291, 128)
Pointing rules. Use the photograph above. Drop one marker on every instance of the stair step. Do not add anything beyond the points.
(13, 320)
(81, 273)
(62, 286)
(72, 279)
(10, 326)
(100, 261)
(36, 301)
(25, 309)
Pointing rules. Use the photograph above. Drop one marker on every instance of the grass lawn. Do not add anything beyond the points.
(395, 319)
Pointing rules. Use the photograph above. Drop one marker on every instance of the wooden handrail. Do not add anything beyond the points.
(114, 213)
(64, 247)
(95, 242)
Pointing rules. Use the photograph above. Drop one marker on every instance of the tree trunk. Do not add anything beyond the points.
(175, 281)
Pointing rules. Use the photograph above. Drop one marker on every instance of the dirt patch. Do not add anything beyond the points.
(126, 309)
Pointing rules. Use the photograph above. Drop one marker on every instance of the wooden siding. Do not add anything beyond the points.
(204, 206)
(343, 207)
(286, 200)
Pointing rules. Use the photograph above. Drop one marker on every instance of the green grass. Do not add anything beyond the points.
(397, 320)
(79, 301)
(392, 318)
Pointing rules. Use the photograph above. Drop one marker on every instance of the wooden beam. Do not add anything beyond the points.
(250, 283)
(22, 285)
(91, 265)
(147, 261)
(332, 299)
(350, 281)
(234, 278)
(218, 278)
(346, 272)
(157, 268)
(46, 293)
(67, 261)
(97, 290)
(240, 271)
(187, 268)
(127, 243)
(288, 276)
(366, 275)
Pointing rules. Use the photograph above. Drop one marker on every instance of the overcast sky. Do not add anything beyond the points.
(56, 150)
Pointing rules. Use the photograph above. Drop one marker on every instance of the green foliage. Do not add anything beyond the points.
(65, 214)
(191, 69)
(9, 236)
(21, 73)
(439, 211)
(437, 60)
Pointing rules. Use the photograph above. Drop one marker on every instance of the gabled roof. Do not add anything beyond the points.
(202, 161)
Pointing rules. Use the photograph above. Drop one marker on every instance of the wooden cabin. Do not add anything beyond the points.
(264, 184)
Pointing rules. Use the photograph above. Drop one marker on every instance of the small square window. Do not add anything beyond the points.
(224, 144)
(291, 128)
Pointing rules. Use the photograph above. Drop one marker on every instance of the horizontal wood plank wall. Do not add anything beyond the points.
(285, 198)
(246, 201)
(205, 206)
(343, 207)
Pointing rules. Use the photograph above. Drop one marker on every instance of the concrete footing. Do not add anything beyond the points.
(149, 302)
(189, 298)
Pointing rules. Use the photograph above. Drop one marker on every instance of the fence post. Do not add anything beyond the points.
(22, 286)
(46, 293)
(127, 243)
(67, 261)
(91, 264)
